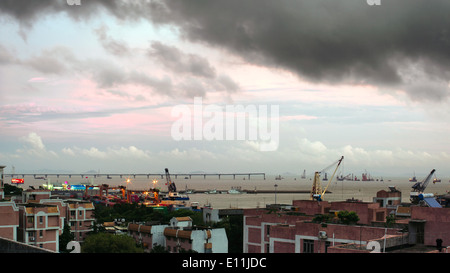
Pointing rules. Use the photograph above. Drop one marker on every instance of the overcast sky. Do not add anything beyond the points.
(94, 86)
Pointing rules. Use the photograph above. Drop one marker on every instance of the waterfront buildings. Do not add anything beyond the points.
(384, 226)
(35, 218)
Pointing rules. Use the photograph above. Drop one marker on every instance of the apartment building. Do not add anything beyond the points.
(180, 236)
(147, 235)
(35, 218)
(287, 232)
(80, 216)
(9, 220)
(294, 231)
(39, 225)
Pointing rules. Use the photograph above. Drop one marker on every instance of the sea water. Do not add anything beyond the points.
(338, 190)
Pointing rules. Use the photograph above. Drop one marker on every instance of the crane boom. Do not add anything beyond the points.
(171, 185)
(421, 186)
(338, 163)
(316, 192)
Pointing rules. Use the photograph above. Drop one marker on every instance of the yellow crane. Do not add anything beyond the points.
(317, 192)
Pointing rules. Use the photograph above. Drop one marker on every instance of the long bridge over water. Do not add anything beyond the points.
(133, 175)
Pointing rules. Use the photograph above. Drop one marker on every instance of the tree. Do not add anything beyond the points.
(158, 249)
(233, 225)
(390, 220)
(348, 217)
(109, 243)
(65, 238)
(12, 190)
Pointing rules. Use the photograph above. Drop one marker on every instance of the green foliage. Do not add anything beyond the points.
(390, 220)
(233, 226)
(159, 249)
(12, 190)
(141, 213)
(65, 238)
(348, 217)
(322, 218)
(109, 243)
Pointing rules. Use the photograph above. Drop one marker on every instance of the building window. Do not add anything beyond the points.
(41, 219)
(308, 246)
(30, 219)
(41, 233)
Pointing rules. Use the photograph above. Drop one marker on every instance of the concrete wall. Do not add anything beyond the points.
(10, 246)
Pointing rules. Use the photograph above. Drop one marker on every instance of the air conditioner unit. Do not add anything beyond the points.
(322, 235)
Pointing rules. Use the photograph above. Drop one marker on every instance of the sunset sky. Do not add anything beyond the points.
(92, 87)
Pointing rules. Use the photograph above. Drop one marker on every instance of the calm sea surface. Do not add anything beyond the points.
(340, 190)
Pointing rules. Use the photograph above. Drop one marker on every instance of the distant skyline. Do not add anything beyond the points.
(93, 87)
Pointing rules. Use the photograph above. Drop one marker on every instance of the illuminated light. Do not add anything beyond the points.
(17, 181)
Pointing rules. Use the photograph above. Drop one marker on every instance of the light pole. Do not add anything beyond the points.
(275, 193)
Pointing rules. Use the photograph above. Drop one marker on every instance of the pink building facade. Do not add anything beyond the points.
(9, 220)
(282, 232)
(39, 225)
(37, 219)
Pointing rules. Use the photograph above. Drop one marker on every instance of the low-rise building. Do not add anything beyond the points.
(39, 225)
(180, 236)
(9, 220)
(35, 218)
(148, 236)
(80, 216)
(298, 230)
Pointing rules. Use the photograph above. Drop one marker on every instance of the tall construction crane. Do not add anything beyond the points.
(170, 185)
(317, 192)
(418, 188)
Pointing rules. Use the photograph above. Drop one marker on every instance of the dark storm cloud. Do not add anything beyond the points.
(330, 41)
(178, 61)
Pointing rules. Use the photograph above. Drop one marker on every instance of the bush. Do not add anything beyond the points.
(109, 243)
(348, 217)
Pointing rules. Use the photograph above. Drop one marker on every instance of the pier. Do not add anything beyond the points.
(148, 175)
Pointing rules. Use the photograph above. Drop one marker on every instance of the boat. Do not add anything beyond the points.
(303, 175)
(175, 196)
(413, 179)
(436, 180)
(212, 191)
(366, 177)
(235, 190)
(278, 177)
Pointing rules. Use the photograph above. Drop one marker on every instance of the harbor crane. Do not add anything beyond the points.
(317, 192)
(170, 185)
(419, 188)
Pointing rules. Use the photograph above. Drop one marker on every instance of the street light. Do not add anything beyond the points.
(275, 193)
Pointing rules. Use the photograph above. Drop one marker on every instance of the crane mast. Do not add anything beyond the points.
(421, 186)
(317, 192)
(417, 194)
(170, 185)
